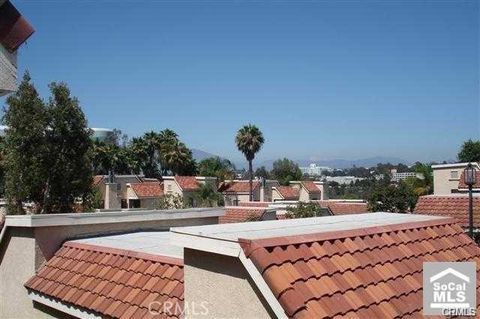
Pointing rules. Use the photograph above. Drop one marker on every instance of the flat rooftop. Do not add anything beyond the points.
(150, 242)
(302, 226)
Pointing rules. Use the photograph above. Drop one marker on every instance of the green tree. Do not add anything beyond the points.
(285, 171)
(262, 172)
(305, 210)
(25, 148)
(207, 196)
(392, 198)
(470, 151)
(220, 168)
(69, 147)
(249, 140)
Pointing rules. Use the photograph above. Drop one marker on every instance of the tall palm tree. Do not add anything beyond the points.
(249, 141)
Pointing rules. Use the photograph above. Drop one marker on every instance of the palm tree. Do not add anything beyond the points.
(249, 141)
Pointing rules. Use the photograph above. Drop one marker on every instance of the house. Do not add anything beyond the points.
(186, 186)
(237, 191)
(236, 214)
(144, 194)
(455, 205)
(310, 190)
(14, 31)
(114, 190)
(128, 265)
(448, 178)
(282, 193)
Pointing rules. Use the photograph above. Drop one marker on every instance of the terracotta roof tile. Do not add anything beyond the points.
(238, 187)
(451, 206)
(241, 214)
(187, 183)
(288, 192)
(361, 273)
(311, 187)
(461, 182)
(254, 204)
(344, 208)
(76, 276)
(148, 189)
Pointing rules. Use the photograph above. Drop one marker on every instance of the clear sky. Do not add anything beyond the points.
(322, 79)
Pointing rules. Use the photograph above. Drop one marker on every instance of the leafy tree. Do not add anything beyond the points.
(285, 171)
(207, 196)
(69, 146)
(392, 198)
(220, 168)
(249, 140)
(470, 151)
(262, 172)
(305, 210)
(25, 148)
(170, 201)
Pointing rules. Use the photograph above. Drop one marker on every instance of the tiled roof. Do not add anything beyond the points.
(111, 282)
(14, 28)
(241, 214)
(461, 182)
(373, 272)
(288, 192)
(451, 206)
(148, 189)
(344, 208)
(187, 183)
(254, 204)
(311, 187)
(239, 187)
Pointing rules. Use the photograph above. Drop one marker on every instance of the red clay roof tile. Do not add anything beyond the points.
(311, 187)
(452, 206)
(111, 291)
(238, 187)
(241, 214)
(370, 272)
(288, 192)
(187, 183)
(147, 189)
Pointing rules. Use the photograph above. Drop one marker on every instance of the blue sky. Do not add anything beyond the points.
(325, 79)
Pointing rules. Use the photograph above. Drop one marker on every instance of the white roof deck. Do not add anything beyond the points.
(153, 242)
(301, 226)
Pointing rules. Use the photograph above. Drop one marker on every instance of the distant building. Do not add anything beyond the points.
(14, 31)
(186, 186)
(237, 191)
(396, 176)
(448, 178)
(314, 170)
(343, 180)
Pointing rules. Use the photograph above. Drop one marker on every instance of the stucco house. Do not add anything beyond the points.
(283, 193)
(114, 191)
(14, 31)
(237, 191)
(144, 194)
(310, 190)
(186, 186)
(448, 178)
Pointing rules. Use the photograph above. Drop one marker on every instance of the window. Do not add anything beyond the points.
(454, 175)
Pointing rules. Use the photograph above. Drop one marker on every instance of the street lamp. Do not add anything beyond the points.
(470, 179)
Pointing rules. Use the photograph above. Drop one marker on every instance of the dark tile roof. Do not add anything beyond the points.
(241, 214)
(148, 189)
(187, 183)
(111, 282)
(362, 273)
(288, 192)
(14, 28)
(461, 182)
(449, 206)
